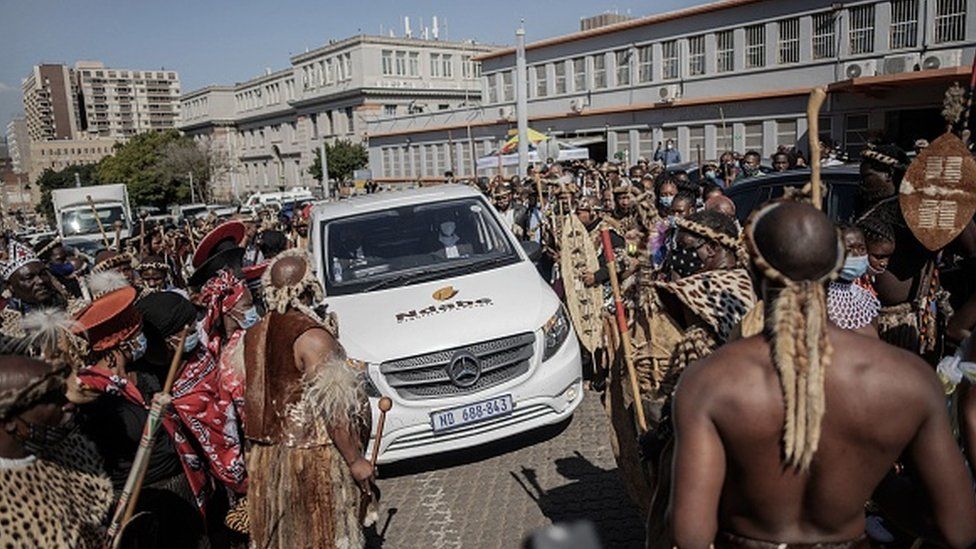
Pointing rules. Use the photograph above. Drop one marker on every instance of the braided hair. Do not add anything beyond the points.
(876, 229)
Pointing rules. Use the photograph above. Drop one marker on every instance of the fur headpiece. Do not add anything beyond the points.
(103, 282)
(286, 296)
(800, 349)
(18, 255)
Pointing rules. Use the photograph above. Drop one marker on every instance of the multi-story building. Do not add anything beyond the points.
(121, 103)
(18, 141)
(58, 154)
(272, 125)
(729, 75)
(50, 103)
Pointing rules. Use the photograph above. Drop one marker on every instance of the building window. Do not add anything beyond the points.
(401, 63)
(904, 24)
(645, 63)
(599, 71)
(622, 57)
(950, 21)
(387, 62)
(724, 51)
(645, 144)
(789, 41)
(785, 133)
(560, 72)
(413, 63)
(755, 46)
(861, 38)
(435, 65)
(447, 66)
(696, 55)
(823, 35)
(579, 74)
(540, 81)
(623, 147)
(753, 137)
(855, 134)
(492, 88)
(696, 142)
(469, 68)
(508, 90)
(390, 110)
(669, 64)
(346, 65)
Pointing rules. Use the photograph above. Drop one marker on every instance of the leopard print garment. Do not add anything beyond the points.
(60, 500)
(720, 298)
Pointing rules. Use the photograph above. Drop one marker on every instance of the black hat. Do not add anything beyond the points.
(219, 249)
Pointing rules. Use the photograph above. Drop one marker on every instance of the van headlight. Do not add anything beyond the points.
(554, 332)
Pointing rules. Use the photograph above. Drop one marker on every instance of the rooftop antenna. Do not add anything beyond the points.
(406, 27)
(435, 31)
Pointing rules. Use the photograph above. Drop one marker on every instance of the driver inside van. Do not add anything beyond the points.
(450, 246)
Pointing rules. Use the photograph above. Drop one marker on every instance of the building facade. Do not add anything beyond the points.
(50, 104)
(18, 143)
(272, 125)
(59, 154)
(120, 103)
(730, 75)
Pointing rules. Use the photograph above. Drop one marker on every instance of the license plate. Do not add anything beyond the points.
(452, 418)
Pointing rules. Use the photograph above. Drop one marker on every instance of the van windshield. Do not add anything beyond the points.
(412, 244)
(82, 220)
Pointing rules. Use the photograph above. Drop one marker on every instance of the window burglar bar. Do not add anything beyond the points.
(725, 54)
(789, 41)
(644, 64)
(696, 55)
(622, 58)
(904, 24)
(670, 62)
(950, 21)
(755, 46)
(862, 29)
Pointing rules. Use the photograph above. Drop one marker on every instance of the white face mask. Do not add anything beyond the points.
(447, 228)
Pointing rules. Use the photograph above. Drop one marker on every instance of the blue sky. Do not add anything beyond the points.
(224, 41)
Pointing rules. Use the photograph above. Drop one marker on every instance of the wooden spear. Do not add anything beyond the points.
(98, 221)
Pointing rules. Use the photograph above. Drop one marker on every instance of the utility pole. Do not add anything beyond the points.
(326, 188)
(193, 194)
(521, 101)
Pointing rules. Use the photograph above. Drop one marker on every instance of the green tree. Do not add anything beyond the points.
(344, 157)
(140, 164)
(50, 180)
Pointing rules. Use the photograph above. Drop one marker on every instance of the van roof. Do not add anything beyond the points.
(391, 199)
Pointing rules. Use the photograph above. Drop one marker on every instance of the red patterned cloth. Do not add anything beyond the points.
(105, 381)
(217, 297)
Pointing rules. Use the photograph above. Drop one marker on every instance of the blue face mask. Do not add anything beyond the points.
(665, 201)
(138, 347)
(250, 318)
(191, 342)
(854, 268)
(62, 269)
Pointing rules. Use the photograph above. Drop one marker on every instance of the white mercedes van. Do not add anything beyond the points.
(446, 310)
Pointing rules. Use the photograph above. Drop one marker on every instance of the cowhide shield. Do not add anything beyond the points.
(938, 193)
(577, 258)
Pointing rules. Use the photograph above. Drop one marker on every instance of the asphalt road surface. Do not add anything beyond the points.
(494, 496)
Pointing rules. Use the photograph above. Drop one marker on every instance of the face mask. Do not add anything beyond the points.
(685, 261)
(710, 174)
(250, 318)
(854, 267)
(137, 347)
(191, 342)
(41, 438)
(668, 146)
(447, 228)
(665, 201)
(62, 269)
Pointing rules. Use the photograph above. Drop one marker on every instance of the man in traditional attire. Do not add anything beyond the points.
(305, 410)
(53, 491)
(757, 461)
(29, 287)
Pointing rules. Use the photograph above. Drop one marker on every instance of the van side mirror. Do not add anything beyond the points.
(532, 249)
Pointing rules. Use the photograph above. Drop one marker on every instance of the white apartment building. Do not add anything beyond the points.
(272, 124)
(120, 103)
(18, 141)
(728, 75)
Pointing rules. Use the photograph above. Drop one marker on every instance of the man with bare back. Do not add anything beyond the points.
(782, 437)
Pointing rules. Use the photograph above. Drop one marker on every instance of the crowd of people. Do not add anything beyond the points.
(782, 381)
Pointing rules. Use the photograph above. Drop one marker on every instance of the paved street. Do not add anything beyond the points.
(492, 497)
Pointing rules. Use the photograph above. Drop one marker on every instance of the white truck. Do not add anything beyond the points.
(75, 217)
(444, 309)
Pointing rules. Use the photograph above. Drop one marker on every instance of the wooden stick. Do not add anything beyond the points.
(142, 235)
(609, 255)
(817, 97)
(118, 236)
(385, 405)
(98, 221)
(133, 484)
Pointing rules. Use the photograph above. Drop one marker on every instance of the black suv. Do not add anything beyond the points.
(841, 190)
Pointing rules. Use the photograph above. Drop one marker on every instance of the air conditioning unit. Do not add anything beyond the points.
(897, 64)
(667, 94)
(941, 59)
(576, 105)
(507, 113)
(860, 69)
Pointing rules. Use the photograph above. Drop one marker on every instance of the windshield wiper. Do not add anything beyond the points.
(414, 277)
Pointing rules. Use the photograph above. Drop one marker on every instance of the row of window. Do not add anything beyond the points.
(127, 74)
(265, 174)
(632, 65)
(70, 151)
(327, 72)
(272, 93)
(407, 63)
